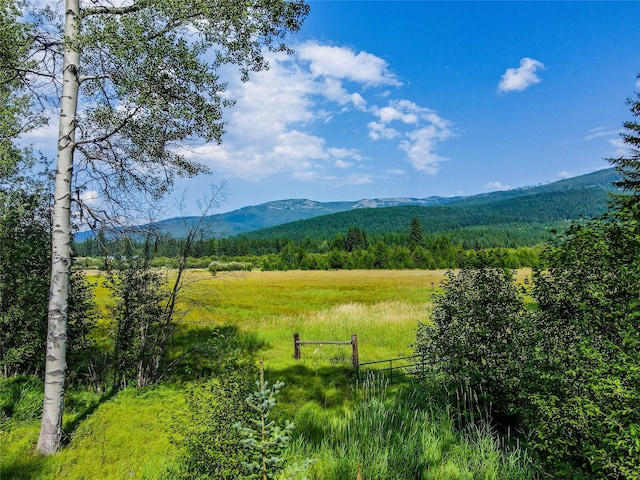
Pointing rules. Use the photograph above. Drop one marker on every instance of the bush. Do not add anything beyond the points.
(233, 266)
(212, 444)
(475, 338)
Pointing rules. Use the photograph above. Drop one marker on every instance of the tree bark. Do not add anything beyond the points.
(55, 364)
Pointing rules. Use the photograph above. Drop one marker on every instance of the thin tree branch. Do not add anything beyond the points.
(83, 78)
(104, 10)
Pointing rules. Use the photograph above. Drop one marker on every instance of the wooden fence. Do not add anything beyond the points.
(354, 347)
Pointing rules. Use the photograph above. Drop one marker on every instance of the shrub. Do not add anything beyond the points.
(212, 444)
(233, 266)
(475, 338)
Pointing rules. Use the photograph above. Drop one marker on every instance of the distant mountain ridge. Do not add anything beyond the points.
(279, 212)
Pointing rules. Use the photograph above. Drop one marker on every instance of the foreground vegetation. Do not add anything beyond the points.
(246, 316)
(162, 364)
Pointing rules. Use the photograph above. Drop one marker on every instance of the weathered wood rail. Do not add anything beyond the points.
(353, 342)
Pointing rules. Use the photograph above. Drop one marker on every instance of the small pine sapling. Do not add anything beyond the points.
(264, 440)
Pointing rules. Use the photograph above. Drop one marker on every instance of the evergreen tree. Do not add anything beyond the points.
(264, 440)
(356, 238)
(629, 165)
(415, 234)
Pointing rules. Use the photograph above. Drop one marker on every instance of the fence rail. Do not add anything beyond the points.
(354, 347)
(393, 370)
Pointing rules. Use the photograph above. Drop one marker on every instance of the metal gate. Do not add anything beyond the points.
(393, 370)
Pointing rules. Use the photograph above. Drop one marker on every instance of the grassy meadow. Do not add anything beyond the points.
(137, 434)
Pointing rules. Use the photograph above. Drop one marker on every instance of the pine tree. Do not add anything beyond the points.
(415, 235)
(264, 440)
(629, 165)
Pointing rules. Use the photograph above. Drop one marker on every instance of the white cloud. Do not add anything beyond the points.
(333, 90)
(346, 153)
(278, 124)
(389, 114)
(498, 186)
(43, 138)
(90, 197)
(418, 143)
(564, 174)
(599, 132)
(344, 63)
(356, 179)
(342, 164)
(419, 146)
(518, 79)
(621, 148)
(379, 131)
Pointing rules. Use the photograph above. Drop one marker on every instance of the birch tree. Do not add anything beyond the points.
(134, 82)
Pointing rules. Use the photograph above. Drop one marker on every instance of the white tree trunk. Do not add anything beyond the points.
(56, 363)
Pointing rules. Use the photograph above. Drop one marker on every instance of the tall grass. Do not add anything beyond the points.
(405, 436)
(129, 436)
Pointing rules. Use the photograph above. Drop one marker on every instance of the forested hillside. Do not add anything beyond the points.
(517, 221)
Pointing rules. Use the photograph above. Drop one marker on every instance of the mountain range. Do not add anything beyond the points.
(568, 199)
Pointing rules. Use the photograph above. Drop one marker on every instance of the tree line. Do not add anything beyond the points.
(354, 249)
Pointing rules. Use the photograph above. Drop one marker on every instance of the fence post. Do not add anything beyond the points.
(354, 352)
(296, 346)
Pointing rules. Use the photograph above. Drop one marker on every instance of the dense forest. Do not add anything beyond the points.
(536, 210)
(354, 249)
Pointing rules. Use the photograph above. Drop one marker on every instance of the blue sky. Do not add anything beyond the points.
(421, 98)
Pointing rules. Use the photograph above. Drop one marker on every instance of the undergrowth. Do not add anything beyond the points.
(407, 435)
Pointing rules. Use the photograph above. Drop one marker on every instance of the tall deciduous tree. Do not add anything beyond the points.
(135, 81)
(23, 213)
(16, 115)
(583, 387)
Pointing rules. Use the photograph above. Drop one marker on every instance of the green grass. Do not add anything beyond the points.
(129, 436)
(132, 435)
(405, 436)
